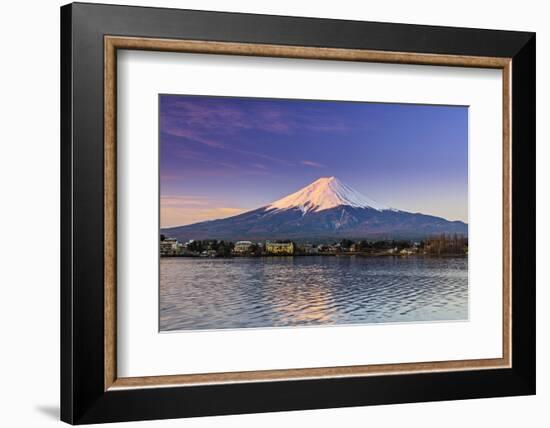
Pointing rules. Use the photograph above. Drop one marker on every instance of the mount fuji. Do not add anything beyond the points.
(325, 209)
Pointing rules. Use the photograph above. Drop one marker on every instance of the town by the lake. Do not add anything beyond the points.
(440, 245)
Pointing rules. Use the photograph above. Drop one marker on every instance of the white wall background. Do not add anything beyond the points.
(29, 218)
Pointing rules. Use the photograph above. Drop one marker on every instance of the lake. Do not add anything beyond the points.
(221, 293)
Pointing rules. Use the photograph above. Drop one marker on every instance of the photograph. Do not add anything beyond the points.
(290, 212)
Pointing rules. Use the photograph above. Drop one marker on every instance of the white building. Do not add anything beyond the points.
(242, 246)
(169, 247)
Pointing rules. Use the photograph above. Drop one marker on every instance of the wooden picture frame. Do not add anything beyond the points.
(91, 390)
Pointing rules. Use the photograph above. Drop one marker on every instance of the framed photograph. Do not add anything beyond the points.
(266, 213)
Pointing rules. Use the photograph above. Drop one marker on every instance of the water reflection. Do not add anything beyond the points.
(291, 291)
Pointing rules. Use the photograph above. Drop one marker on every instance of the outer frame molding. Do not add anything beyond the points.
(87, 395)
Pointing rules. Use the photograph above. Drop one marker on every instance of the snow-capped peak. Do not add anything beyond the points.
(325, 193)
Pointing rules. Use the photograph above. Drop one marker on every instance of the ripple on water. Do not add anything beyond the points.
(298, 291)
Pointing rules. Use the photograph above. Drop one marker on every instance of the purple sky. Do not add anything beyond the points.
(223, 156)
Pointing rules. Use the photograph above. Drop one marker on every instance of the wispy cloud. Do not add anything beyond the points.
(206, 120)
(313, 164)
(223, 116)
(189, 134)
(178, 210)
(273, 159)
(184, 201)
(210, 121)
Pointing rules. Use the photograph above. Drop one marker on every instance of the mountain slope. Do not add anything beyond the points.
(324, 210)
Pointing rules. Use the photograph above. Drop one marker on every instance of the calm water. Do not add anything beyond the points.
(291, 291)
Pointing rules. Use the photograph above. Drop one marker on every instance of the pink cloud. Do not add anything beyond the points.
(178, 210)
(313, 164)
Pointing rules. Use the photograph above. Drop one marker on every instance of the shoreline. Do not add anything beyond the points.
(362, 255)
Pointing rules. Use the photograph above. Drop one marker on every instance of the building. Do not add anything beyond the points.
(209, 253)
(280, 247)
(169, 247)
(242, 247)
(310, 249)
(335, 248)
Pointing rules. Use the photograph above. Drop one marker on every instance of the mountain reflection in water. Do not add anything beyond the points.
(198, 294)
